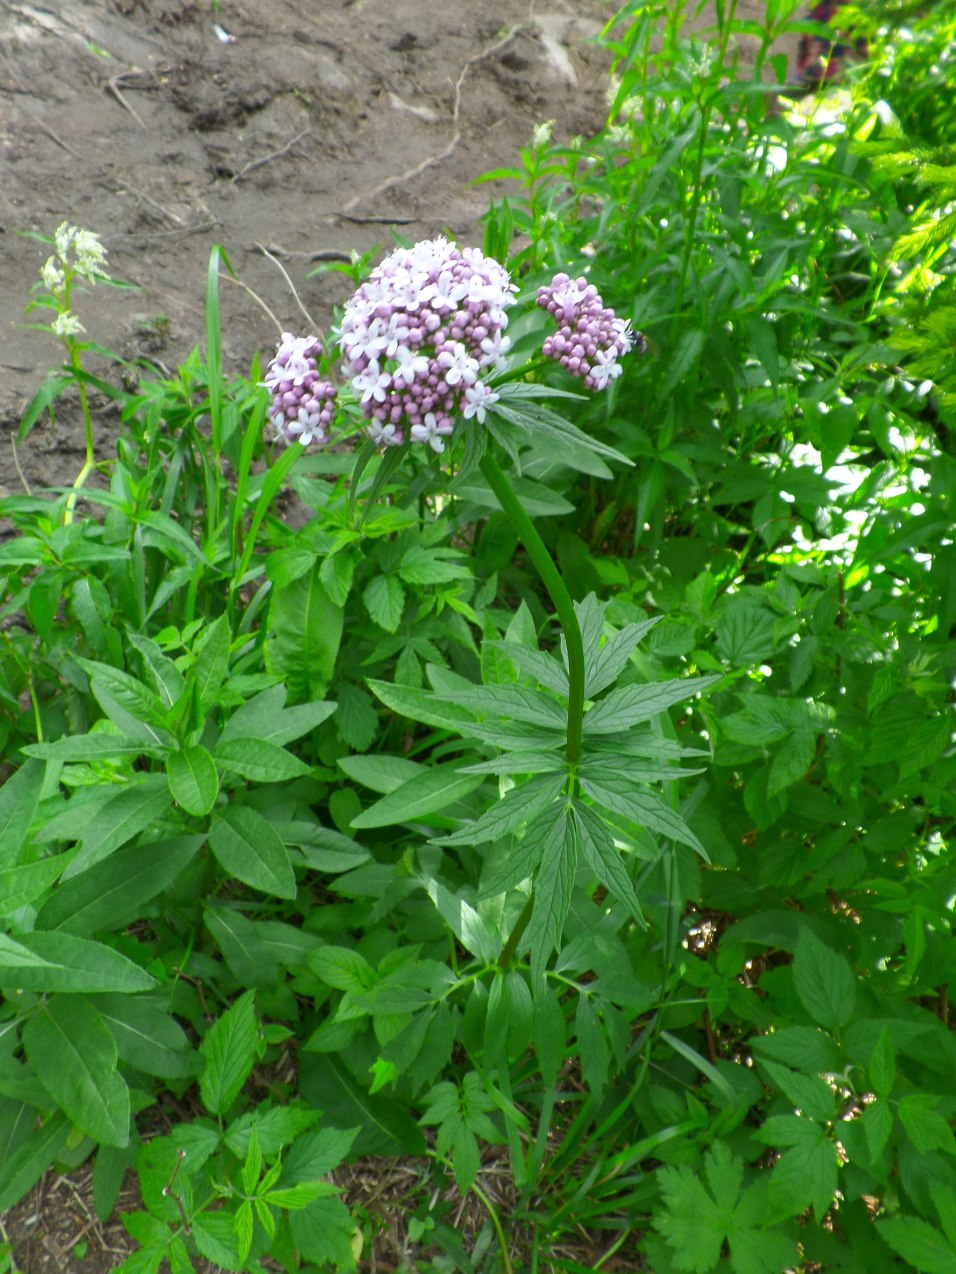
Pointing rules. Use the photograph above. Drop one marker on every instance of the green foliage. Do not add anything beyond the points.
(645, 899)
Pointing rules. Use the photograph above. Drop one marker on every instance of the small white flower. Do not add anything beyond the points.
(410, 365)
(493, 350)
(458, 364)
(372, 384)
(478, 398)
(383, 434)
(52, 277)
(88, 253)
(63, 238)
(445, 293)
(67, 325)
(605, 368)
(542, 134)
(624, 336)
(429, 432)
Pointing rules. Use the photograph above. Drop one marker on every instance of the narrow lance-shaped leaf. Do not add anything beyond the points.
(307, 629)
(643, 807)
(525, 855)
(629, 705)
(109, 894)
(417, 798)
(74, 1055)
(211, 662)
(21, 885)
(604, 858)
(23, 1169)
(552, 896)
(18, 802)
(130, 811)
(258, 760)
(250, 849)
(61, 962)
(607, 662)
(518, 806)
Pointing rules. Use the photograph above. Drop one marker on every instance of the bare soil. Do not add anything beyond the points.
(299, 126)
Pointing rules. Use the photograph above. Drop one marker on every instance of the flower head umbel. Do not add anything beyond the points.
(590, 337)
(303, 403)
(80, 251)
(417, 336)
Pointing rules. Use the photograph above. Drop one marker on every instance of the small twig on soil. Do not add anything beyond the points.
(20, 87)
(54, 137)
(257, 163)
(282, 270)
(322, 254)
(256, 297)
(430, 162)
(113, 87)
(376, 221)
(141, 194)
(16, 461)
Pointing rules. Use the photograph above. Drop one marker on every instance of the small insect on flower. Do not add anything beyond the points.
(303, 402)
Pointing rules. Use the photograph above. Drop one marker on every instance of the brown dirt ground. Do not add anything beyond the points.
(313, 128)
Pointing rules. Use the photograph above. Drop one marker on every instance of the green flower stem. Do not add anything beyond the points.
(477, 1191)
(517, 933)
(89, 463)
(551, 578)
(557, 590)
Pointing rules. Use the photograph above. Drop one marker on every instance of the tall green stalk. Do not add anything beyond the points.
(564, 606)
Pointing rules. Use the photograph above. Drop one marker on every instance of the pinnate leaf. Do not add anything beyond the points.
(629, 705)
(417, 798)
(552, 893)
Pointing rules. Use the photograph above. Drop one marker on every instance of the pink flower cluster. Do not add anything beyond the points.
(590, 338)
(303, 403)
(417, 336)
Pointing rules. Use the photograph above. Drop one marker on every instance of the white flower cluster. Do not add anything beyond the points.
(87, 253)
(418, 334)
(303, 403)
(67, 324)
(78, 252)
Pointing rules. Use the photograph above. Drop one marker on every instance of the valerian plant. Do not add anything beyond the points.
(161, 782)
(424, 341)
